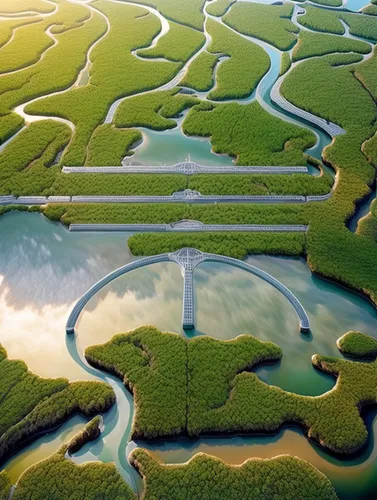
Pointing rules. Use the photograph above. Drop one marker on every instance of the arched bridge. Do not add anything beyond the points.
(188, 259)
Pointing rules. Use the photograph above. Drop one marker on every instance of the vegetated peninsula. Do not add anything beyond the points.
(203, 476)
(178, 392)
(31, 405)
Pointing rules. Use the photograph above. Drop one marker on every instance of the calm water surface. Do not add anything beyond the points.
(44, 269)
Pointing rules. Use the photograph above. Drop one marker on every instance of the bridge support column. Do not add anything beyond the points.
(188, 314)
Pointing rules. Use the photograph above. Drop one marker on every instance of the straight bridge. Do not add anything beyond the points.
(186, 168)
(188, 259)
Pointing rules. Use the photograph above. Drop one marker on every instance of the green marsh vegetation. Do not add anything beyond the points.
(114, 74)
(55, 72)
(254, 479)
(199, 75)
(9, 25)
(237, 245)
(219, 7)
(5, 486)
(25, 163)
(150, 364)
(370, 10)
(178, 44)
(31, 405)
(19, 6)
(222, 213)
(177, 391)
(237, 76)
(63, 479)
(324, 20)
(316, 44)
(270, 23)
(285, 63)
(109, 145)
(249, 133)
(206, 184)
(189, 13)
(26, 48)
(358, 344)
(282, 477)
(368, 225)
(154, 110)
(329, 21)
(256, 184)
(337, 89)
(117, 184)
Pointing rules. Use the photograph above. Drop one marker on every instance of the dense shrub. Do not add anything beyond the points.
(89, 433)
(370, 10)
(260, 184)
(368, 225)
(178, 44)
(118, 184)
(25, 162)
(199, 75)
(237, 76)
(9, 125)
(236, 245)
(31, 41)
(31, 405)
(330, 21)
(114, 73)
(64, 479)
(358, 344)
(9, 25)
(270, 23)
(5, 485)
(163, 213)
(219, 7)
(249, 133)
(19, 6)
(189, 13)
(285, 62)
(314, 44)
(322, 20)
(109, 145)
(153, 109)
(55, 71)
(178, 391)
(209, 478)
(342, 94)
(153, 366)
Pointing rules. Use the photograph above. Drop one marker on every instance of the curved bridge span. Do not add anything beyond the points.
(188, 259)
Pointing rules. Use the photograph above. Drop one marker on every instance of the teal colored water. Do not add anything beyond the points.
(49, 268)
(356, 5)
(362, 211)
(173, 146)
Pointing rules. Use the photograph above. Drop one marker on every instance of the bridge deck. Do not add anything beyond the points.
(188, 259)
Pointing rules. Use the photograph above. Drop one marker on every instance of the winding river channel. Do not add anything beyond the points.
(44, 269)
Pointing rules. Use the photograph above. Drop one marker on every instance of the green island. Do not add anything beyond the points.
(177, 392)
(358, 344)
(254, 479)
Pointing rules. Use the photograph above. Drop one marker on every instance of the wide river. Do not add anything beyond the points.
(44, 269)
